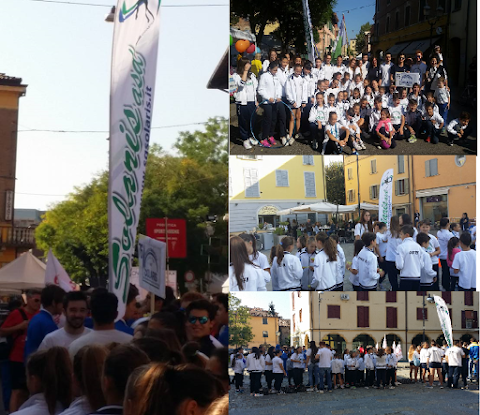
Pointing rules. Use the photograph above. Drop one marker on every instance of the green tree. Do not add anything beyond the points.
(361, 39)
(238, 322)
(188, 186)
(335, 179)
(271, 309)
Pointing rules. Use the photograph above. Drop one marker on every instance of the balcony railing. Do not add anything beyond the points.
(17, 237)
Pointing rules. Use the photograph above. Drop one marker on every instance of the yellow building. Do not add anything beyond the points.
(266, 329)
(11, 89)
(435, 186)
(347, 320)
(261, 186)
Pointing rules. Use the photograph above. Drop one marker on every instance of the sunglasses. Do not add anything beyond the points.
(402, 58)
(203, 320)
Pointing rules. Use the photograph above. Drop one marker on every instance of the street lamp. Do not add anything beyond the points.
(432, 22)
(430, 300)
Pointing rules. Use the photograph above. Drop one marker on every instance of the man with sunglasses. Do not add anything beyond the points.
(200, 315)
(15, 327)
(399, 67)
(419, 67)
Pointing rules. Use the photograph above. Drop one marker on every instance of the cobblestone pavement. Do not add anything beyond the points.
(407, 399)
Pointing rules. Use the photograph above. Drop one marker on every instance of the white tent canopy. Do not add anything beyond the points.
(24, 273)
(325, 207)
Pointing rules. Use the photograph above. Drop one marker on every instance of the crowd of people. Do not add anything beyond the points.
(367, 367)
(408, 256)
(67, 354)
(334, 105)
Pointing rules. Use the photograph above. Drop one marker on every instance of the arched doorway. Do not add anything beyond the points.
(336, 342)
(268, 214)
(363, 339)
(418, 339)
(393, 338)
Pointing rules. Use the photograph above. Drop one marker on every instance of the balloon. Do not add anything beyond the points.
(242, 45)
(231, 40)
(257, 50)
(251, 48)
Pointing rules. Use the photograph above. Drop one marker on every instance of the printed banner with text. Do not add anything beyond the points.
(385, 198)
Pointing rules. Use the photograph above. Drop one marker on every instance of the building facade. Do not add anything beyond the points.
(262, 186)
(12, 240)
(348, 320)
(301, 323)
(267, 330)
(326, 36)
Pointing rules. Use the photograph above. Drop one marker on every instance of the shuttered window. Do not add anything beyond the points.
(374, 190)
(420, 315)
(391, 317)
(282, 178)
(362, 295)
(252, 188)
(351, 196)
(373, 166)
(333, 311)
(310, 190)
(362, 316)
(401, 164)
(447, 296)
(349, 174)
(391, 296)
(308, 160)
(431, 168)
(401, 187)
(468, 297)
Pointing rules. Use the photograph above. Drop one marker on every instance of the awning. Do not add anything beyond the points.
(396, 49)
(422, 45)
(432, 192)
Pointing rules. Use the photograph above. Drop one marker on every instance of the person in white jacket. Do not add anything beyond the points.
(459, 129)
(428, 276)
(325, 265)
(368, 272)
(257, 258)
(465, 263)
(311, 87)
(270, 92)
(341, 262)
(307, 259)
(370, 367)
(296, 91)
(318, 118)
(255, 366)
(238, 365)
(245, 99)
(443, 236)
(243, 274)
(353, 266)
(391, 366)
(351, 366)
(286, 268)
(409, 260)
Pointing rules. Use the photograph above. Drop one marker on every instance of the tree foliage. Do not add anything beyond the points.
(238, 322)
(188, 186)
(335, 179)
(289, 16)
(361, 39)
(271, 309)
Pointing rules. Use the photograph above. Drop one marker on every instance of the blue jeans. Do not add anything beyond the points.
(473, 369)
(312, 374)
(454, 375)
(443, 111)
(325, 371)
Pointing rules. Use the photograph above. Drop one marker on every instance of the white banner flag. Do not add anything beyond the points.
(152, 261)
(56, 274)
(385, 198)
(384, 343)
(444, 317)
(307, 23)
(134, 63)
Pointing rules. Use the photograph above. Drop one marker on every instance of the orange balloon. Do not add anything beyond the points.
(242, 45)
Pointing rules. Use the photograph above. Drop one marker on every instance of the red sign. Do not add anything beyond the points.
(177, 235)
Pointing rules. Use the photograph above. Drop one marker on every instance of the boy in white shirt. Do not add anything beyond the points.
(433, 248)
(428, 277)
(355, 132)
(368, 274)
(370, 367)
(409, 260)
(397, 117)
(458, 129)
(432, 125)
(464, 264)
(442, 98)
(443, 236)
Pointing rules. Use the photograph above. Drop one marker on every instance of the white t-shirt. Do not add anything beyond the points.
(333, 129)
(277, 364)
(295, 356)
(79, 406)
(324, 357)
(353, 277)
(382, 239)
(268, 359)
(434, 354)
(385, 70)
(37, 405)
(99, 337)
(443, 236)
(396, 114)
(454, 355)
(432, 247)
(61, 338)
(423, 355)
(360, 229)
(253, 279)
(466, 263)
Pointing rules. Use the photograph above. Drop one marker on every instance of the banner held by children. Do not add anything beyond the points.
(444, 317)
(385, 198)
(152, 260)
(134, 62)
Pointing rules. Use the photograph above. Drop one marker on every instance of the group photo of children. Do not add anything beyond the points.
(403, 256)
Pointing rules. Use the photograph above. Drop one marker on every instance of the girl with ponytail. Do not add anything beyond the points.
(393, 240)
(244, 275)
(286, 268)
(325, 265)
(257, 258)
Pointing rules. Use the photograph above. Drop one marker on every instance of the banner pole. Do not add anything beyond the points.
(152, 304)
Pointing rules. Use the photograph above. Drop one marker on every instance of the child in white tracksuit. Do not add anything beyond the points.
(341, 261)
(428, 276)
(351, 366)
(381, 366)
(307, 259)
(368, 274)
(238, 365)
(361, 370)
(409, 260)
(370, 367)
(391, 365)
(296, 92)
(286, 268)
(325, 266)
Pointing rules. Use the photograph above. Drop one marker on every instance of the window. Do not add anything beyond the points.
(309, 178)
(391, 296)
(447, 296)
(468, 297)
(457, 5)
(252, 188)
(401, 164)
(374, 191)
(407, 15)
(333, 311)
(362, 316)
(401, 187)
(391, 317)
(469, 319)
(265, 320)
(308, 160)
(265, 334)
(300, 315)
(420, 314)
(421, 293)
(387, 24)
(431, 168)
(281, 178)
(362, 295)
(373, 166)
(421, 16)
(397, 20)
(351, 196)
(349, 174)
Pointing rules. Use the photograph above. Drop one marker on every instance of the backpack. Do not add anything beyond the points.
(6, 346)
(416, 361)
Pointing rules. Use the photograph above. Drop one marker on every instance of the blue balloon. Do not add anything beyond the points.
(257, 50)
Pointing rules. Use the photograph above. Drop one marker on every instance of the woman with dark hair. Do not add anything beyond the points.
(286, 268)
(272, 57)
(49, 381)
(313, 369)
(374, 73)
(257, 258)
(269, 367)
(243, 273)
(365, 225)
(406, 219)
(393, 240)
(171, 321)
(325, 264)
(465, 222)
(401, 66)
(255, 366)
(434, 73)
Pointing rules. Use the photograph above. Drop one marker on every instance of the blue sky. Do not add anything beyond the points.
(63, 53)
(262, 299)
(356, 17)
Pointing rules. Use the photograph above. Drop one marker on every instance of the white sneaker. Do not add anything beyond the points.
(296, 137)
(320, 391)
(362, 144)
(253, 142)
(284, 140)
(246, 144)
(398, 383)
(291, 141)
(357, 146)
